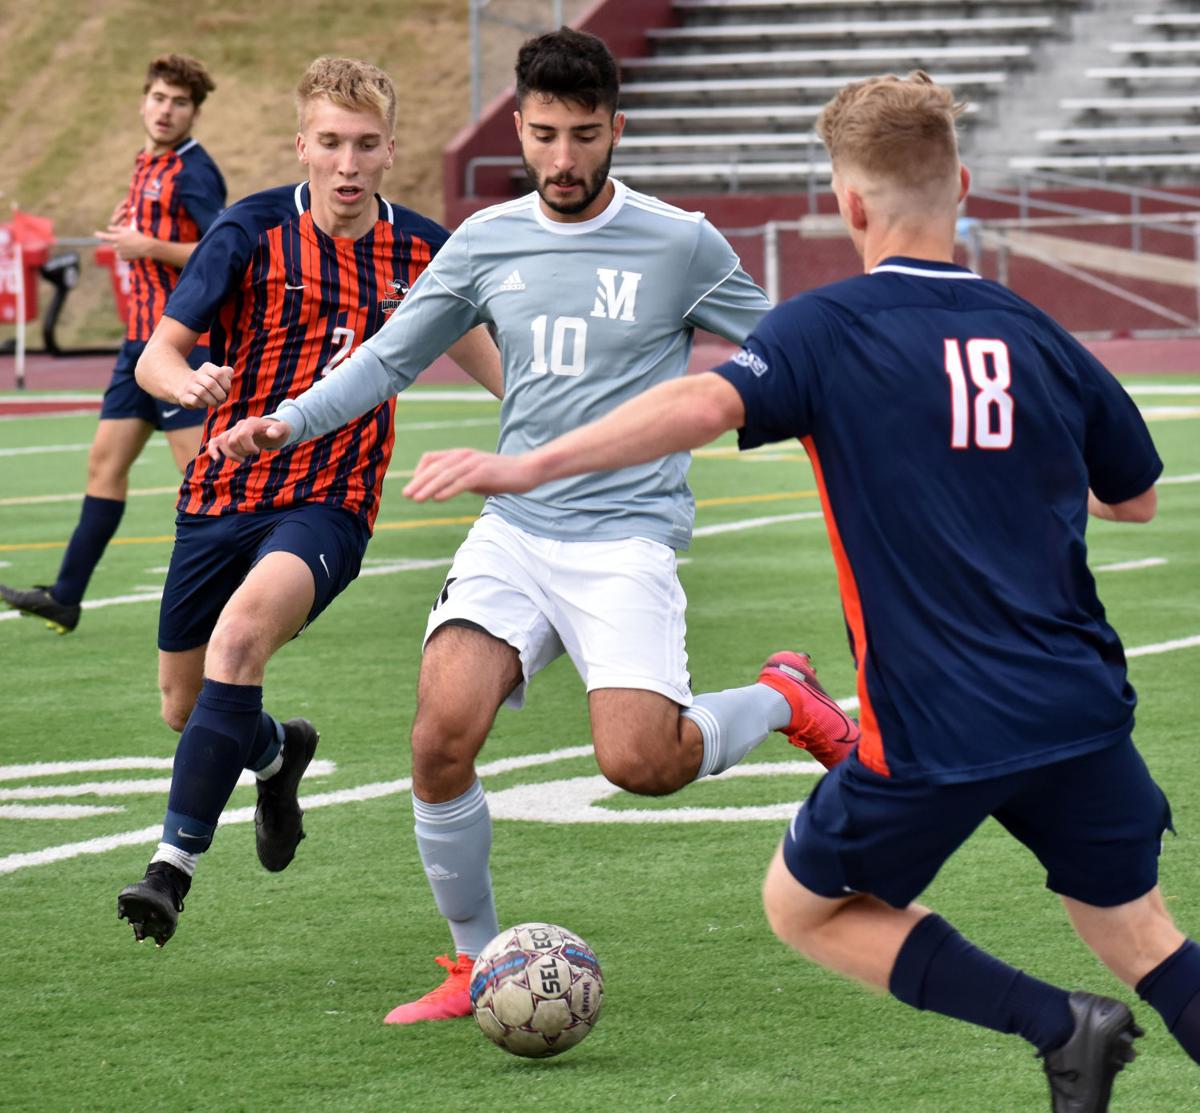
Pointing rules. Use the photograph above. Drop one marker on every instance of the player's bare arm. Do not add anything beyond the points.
(131, 244)
(672, 417)
(1140, 508)
(476, 353)
(163, 369)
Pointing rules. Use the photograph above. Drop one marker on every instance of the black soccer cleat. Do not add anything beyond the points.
(1081, 1072)
(278, 826)
(38, 601)
(152, 905)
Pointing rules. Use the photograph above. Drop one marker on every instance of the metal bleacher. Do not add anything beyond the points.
(728, 98)
(1141, 118)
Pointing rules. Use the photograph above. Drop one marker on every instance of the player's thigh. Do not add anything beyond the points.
(1095, 822)
(215, 554)
(1131, 939)
(116, 444)
(180, 677)
(860, 832)
(304, 558)
(268, 609)
(495, 586)
(466, 675)
(184, 443)
(619, 609)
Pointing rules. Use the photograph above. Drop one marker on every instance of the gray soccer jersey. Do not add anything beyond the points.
(586, 315)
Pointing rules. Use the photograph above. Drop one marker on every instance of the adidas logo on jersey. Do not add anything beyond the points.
(512, 282)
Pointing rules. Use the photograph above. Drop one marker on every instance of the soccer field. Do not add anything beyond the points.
(271, 994)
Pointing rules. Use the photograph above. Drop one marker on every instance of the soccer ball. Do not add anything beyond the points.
(536, 989)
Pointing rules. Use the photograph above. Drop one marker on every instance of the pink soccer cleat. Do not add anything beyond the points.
(451, 999)
(818, 725)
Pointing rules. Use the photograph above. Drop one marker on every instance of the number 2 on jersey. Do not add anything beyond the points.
(344, 338)
(988, 365)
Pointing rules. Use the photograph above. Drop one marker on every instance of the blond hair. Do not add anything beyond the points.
(901, 129)
(348, 83)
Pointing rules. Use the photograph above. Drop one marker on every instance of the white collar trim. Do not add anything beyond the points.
(579, 228)
(920, 272)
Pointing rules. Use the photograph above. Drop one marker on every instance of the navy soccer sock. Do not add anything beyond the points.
(221, 732)
(1173, 989)
(98, 521)
(939, 970)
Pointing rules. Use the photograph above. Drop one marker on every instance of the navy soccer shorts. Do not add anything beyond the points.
(124, 398)
(1095, 822)
(213, 555)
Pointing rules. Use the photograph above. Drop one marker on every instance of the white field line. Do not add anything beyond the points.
(1194, 478)
(46, 449)
(1130, 565)
(75, 496)
(1153, 413)
(149, 835)
(1158, 388)
(1163, 647)
(96, 604)
(754, 523)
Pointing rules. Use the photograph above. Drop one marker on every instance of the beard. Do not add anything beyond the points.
(591, 186)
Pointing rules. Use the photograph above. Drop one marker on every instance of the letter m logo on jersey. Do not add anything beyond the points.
(615, 303)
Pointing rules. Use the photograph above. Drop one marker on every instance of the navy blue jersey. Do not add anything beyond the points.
(954, 430)
(286, 303)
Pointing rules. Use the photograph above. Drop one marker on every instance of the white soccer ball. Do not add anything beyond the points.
(536, 989)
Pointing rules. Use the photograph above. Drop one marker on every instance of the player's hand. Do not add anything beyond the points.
(128, 243)
(120, 213)
(205, 387)
(249, 437)
(442, 475)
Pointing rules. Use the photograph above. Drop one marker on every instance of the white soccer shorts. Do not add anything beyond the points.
(616, 607)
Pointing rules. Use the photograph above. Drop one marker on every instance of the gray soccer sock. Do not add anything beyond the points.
(734, 721)
(455, 839)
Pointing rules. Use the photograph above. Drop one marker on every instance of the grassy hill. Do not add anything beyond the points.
(72, 79)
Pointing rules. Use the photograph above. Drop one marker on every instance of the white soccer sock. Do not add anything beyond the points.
(733, 722)
(180, 859)
(455, 841)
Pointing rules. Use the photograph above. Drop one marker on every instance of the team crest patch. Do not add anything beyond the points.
(756, 364)
(153, 189)
(399, 290)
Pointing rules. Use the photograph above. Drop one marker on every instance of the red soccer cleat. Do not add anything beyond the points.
(451, 999)
(818, 725)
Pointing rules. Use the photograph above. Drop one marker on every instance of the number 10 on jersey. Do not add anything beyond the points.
(990, 372)
(568, 346)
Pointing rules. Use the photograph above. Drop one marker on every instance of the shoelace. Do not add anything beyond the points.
(453, 970)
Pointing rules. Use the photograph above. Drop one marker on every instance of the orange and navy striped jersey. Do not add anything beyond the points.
(173, 196)
(286, 303)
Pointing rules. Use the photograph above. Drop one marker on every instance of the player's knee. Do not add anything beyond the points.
(175, 709)
(443, 756)
(642, 771)
(236, 652)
